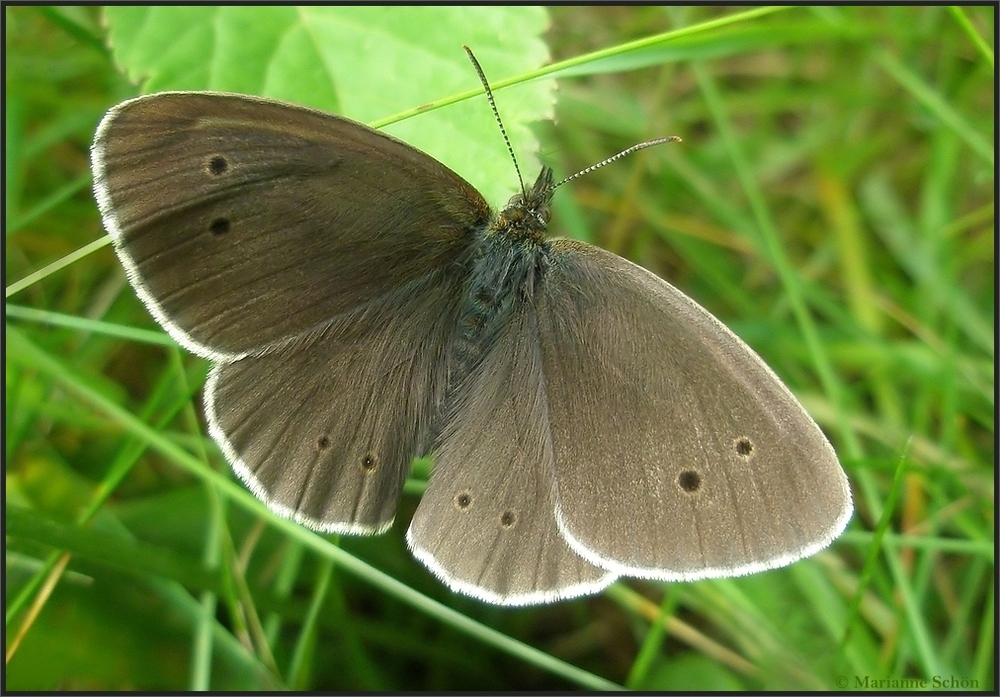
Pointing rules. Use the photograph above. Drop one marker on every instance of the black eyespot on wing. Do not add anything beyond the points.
(323, 442)
(368, 463)
(689, 481)
(744, 447)
(463, 500)
(508, 519)
(217, 165)
(219, 226)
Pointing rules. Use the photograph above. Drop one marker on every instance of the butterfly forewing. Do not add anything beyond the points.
(243, 222)
(678, 453)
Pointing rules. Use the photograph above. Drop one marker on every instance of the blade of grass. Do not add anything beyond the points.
(935, 103)
(978, 41)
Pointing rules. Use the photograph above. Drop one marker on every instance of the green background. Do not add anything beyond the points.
(832, 203)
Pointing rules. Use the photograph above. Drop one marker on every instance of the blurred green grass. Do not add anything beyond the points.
(832, 202)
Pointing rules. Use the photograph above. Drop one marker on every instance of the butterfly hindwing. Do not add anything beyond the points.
(486, 524)
(325, 429)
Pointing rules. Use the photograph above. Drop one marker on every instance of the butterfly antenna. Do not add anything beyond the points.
(623, 153)
(493, 105)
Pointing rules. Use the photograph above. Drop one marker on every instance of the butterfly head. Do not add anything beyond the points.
(526, 215)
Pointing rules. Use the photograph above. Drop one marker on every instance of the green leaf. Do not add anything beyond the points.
(364, 63)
